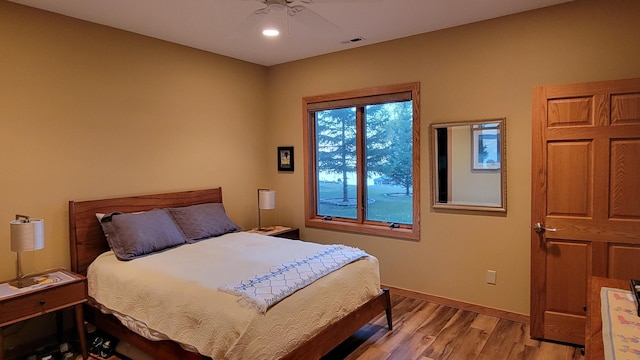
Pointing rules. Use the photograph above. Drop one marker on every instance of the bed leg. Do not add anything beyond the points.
(388, 308)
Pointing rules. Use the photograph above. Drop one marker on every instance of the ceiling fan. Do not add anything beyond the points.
(299, 13)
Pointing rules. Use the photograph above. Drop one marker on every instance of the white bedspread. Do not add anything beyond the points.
(174, 293)
(267, 289)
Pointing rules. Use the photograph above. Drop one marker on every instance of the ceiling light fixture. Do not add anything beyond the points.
(276, 5)
(270, 32)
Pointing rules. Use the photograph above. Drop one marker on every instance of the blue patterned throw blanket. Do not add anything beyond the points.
(264, 291)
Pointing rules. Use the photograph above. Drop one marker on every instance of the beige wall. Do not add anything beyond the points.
(87, 111)
(478, 71)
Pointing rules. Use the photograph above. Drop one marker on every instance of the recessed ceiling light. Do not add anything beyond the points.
(270, 32)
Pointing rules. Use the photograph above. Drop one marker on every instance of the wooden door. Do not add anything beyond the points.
(585, 190)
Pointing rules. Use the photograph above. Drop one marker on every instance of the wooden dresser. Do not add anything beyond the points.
(594, 347)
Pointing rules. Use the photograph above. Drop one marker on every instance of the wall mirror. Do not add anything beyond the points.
(469, 165)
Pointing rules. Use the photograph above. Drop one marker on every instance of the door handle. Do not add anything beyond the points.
(539, 228)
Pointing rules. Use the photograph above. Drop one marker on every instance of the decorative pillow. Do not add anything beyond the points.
(203, 221)
(138, 234)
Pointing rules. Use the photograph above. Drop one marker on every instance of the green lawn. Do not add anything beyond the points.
(386, 202)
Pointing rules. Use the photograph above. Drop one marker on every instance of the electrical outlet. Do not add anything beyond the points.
(491, 277)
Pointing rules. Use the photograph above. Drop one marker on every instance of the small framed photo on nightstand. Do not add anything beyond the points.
(285, 158)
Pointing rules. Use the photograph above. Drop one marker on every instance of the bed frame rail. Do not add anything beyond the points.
(342, 329)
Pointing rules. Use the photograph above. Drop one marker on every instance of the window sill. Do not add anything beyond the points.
(369, 229)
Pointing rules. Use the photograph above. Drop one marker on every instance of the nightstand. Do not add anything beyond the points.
(280, 231)
(56, 290)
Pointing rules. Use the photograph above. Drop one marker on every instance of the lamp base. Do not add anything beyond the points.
(22, 283)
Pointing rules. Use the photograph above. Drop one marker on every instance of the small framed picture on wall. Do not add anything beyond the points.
(485, 147)
(285, 158)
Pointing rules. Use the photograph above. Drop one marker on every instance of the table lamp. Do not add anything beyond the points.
(266, 201)
(27, 234)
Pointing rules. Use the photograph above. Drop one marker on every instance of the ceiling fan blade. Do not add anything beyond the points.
(311, 18)
(254, 18)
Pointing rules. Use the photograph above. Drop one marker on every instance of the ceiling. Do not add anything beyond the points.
(220, 26)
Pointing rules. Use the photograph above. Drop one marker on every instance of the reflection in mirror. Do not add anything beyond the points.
(469, 171)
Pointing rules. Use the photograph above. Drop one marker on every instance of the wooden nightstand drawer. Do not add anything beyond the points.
(44, 300)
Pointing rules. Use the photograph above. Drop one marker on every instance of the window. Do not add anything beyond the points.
(362, 161)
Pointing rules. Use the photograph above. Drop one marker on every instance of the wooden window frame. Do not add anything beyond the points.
(361, 97)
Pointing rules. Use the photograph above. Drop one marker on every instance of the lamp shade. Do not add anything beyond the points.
(27, 235)
(266, 199)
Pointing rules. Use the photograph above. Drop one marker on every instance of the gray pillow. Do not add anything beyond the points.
(203, 221)
(138, 234)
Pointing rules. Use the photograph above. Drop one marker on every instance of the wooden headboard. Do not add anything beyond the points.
(86, 238)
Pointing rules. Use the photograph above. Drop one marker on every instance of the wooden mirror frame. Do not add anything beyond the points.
(467, 164)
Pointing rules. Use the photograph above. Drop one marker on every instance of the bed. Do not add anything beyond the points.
(88, 246)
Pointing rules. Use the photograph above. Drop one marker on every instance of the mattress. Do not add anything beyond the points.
(176, 294)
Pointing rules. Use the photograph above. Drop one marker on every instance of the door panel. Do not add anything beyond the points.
(625, 179)
(585, 188)
(625, 109)
(564, 326)
(565, 262)
(566, 112)
(569, 196)
(623, 261)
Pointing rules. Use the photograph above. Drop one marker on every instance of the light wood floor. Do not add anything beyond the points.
(427, 331)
